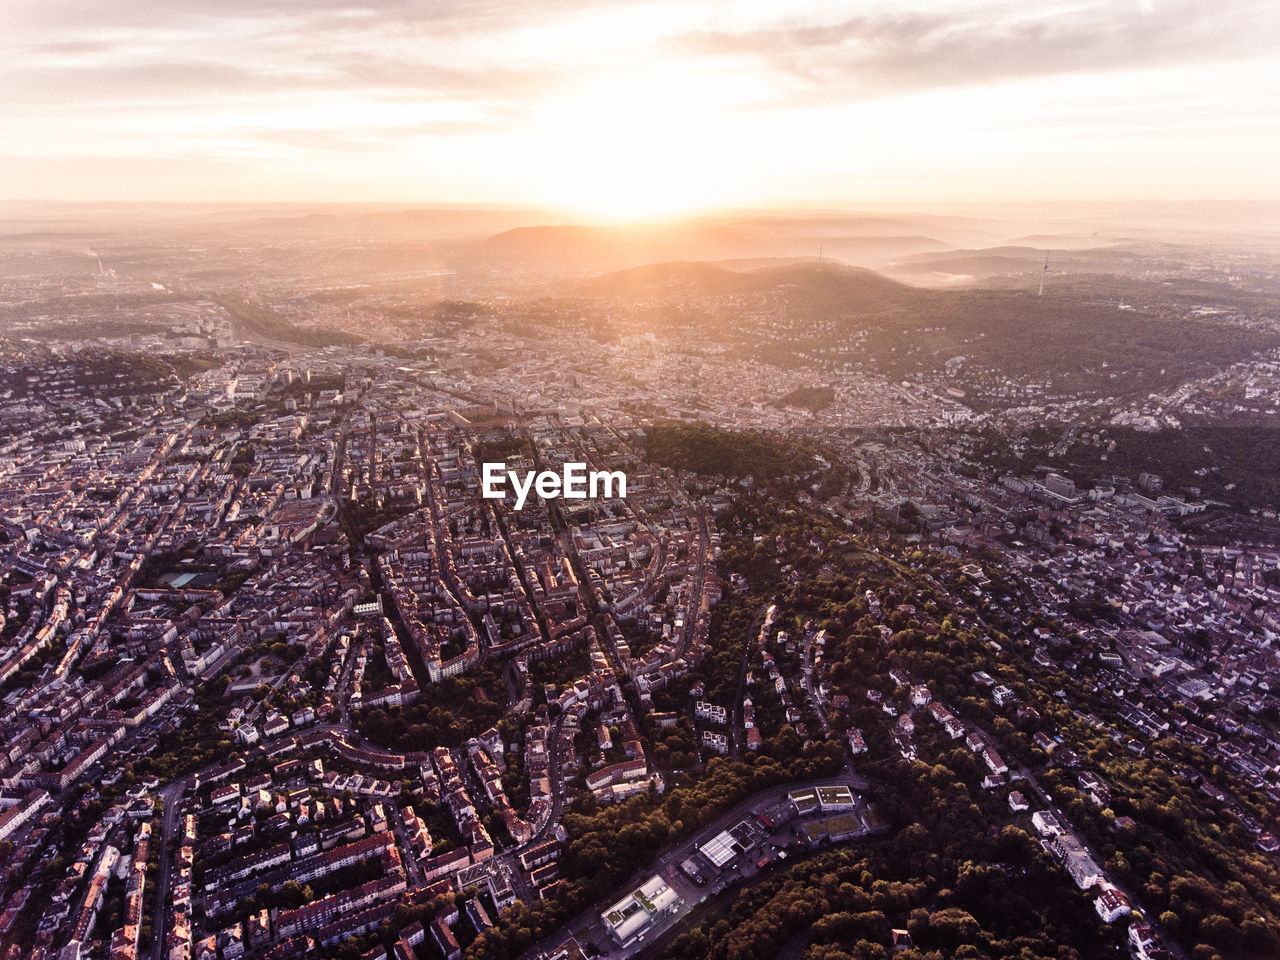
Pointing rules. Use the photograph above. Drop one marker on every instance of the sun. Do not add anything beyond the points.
(630, 184)
(627, 181)
(625, 153)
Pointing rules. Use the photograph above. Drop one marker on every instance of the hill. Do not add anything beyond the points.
(831, 285)
(1100, 334)
(580, 250)
(812, 399)
(1026, 261)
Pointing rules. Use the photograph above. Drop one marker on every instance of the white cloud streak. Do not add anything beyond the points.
(235, 92)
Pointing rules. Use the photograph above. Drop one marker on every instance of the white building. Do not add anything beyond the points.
(635, 914)
(1111, 905)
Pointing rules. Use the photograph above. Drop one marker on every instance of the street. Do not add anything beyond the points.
(587, 926)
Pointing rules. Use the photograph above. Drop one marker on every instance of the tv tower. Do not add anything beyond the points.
(1043, 275)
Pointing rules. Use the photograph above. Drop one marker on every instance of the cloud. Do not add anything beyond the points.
(460, 94)
(179, 52)
(355, 139)
(52, 16)
(871, 55)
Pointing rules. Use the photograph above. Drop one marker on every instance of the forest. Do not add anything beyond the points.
(781, 465)
(973, 881)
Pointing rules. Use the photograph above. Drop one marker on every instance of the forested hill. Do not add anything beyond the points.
(768, 459)
(831, 285)
(709, 451)
(1093, 334)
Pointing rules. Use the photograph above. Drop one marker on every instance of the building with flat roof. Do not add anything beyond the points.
(1075, 858)
(833, 829)
(805, 801)
(720, 849)
(635, 914)
(836, 799)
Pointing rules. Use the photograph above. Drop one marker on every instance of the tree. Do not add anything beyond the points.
(1221, 931)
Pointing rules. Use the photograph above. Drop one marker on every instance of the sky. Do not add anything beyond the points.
(634, 109)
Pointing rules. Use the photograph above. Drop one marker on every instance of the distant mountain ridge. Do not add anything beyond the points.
(581, 250)
(1077, 334)
(841, 284)
(1018, 259)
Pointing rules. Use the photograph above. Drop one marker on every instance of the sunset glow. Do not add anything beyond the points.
(627, 151)
(642, 109)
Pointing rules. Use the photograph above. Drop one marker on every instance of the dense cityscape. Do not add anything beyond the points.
(912, 633)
